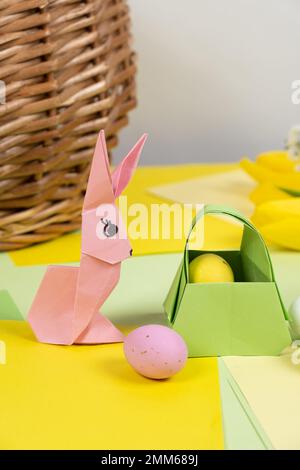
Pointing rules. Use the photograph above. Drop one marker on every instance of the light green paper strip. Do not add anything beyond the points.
(241, 428)
(5, 262)
(22, 284)
(8, 308)
(145, 280)
(136, 300)
(286, 266)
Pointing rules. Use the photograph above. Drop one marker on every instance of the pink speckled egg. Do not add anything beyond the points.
(155, 351)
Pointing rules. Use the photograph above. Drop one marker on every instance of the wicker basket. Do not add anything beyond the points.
(68, 71)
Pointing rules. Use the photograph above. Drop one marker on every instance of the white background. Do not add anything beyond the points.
(214, 79)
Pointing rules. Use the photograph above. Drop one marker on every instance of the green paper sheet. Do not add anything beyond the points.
(8, 308)
(143, 277)
(21, 283)
(286, 266)
(242, 431)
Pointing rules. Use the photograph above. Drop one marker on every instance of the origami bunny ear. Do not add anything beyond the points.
(124, 171)
(99, 188)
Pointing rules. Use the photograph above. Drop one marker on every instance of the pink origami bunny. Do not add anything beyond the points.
(66, 307)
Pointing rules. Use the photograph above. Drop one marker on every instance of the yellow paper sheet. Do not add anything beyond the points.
(88, 397)
(271, 385)
(230, 188)
(67, 248)
(64, 249)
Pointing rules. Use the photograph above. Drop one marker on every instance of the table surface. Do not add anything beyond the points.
(88, 397)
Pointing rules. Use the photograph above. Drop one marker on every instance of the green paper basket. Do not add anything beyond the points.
(242, 318)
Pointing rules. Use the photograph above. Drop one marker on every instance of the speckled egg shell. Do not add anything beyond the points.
(155, 351)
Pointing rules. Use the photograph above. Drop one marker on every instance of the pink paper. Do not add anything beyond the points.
(66, 307)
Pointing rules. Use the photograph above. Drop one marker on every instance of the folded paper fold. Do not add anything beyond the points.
(66, 307)
(246, 317)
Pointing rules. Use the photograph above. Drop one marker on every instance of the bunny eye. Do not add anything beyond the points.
(110, 230)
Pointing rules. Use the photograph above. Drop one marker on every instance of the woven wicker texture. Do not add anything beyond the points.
(68, 71)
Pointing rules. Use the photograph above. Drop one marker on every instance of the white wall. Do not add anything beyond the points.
(214, 78)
